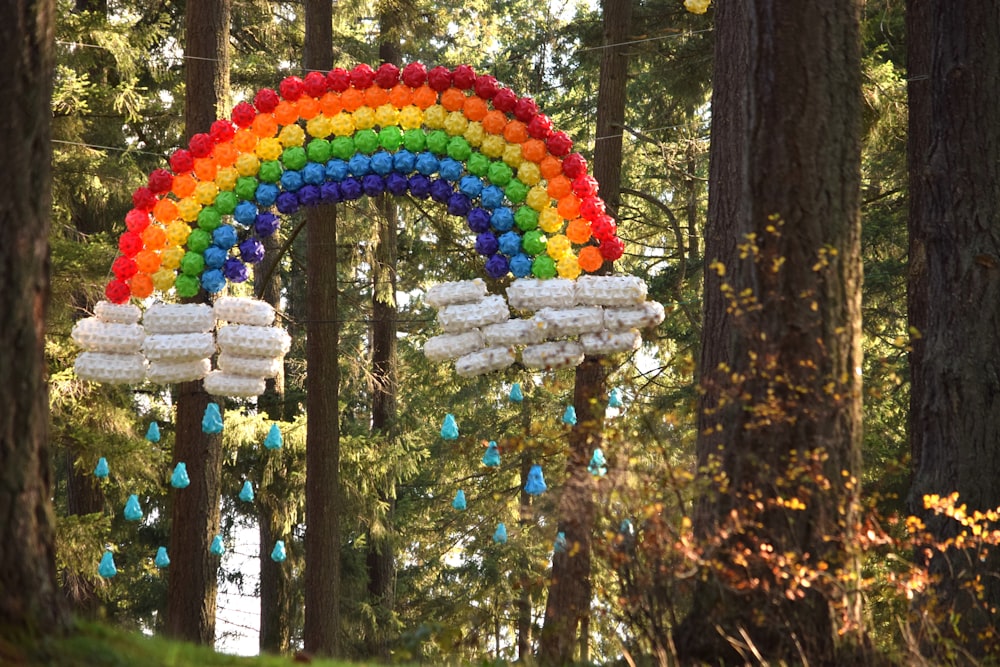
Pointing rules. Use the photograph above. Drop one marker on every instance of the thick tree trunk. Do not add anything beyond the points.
(192, 581)
(30, 599)
(567, 611)
(780, 410)
(322, 572)
(954, 291)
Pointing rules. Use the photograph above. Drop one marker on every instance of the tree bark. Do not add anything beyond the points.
(192, 580)
(567, 610)
(779, 415)
(954, 290)
(322, 542)
(31, 600)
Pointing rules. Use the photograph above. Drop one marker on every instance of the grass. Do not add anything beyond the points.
(92, 645)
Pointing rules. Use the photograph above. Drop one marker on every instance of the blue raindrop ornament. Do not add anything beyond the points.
(278, 554)
(180, 479)
(217, 548)
(449, 430)
(101, 471)
(598, 464)
(615, 399)
(516, 395)
(246, 493)
(459, 501)
(569, 417)
(560, 544)
(132, 510)
(273, 439)
(107, 567)
(153, 432)
(162, 559)
(500, 534)
(491, 459)
(212, 421)
(535, 485)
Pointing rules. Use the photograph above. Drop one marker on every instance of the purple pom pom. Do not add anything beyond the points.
(373, 185)
(479, 220)
(351, 188)
(420, 186)
(441, 191)
(287, 203)
(234, 270)
(459, 204)
(309, 195)
(330, 193)
(252, 251)
(396, 184)
(486, 243)
(496, 266)
(266, 224)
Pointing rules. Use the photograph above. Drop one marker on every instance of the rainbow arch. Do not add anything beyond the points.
(450, 135)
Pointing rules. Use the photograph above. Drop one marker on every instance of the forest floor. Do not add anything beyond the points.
(92, 645)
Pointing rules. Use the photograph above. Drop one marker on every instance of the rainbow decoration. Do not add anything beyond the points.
(453, 136)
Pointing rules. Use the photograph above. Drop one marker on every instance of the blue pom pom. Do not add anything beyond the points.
(404, 162)
(336, 170)
(451, 169)
(381, 163)
(502, 219)
(500, 534)
(491, 459)
(215, 257)
(569, 417)
(359, 165)
(427, 164)
(267, 194)
(314, 173)
(224, 237)
(491, 197)
(246, 493)
(217, 548)
(470, 186)
(510, 243)
(598, 465)
(520, 265)
(213, 281)
(516, 395)
(615, 399)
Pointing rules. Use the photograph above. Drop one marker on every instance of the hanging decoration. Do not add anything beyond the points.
(132, 510)
(107, 568)
(273, 439)
(211, 422)
(179, 341)
(217, 548)
(535, 484)
(278, 554)
(179, 479)
(491, 459)
(459, 501)
(102, 471)
(516, 396)
(111, 343)
(559, 546)
(500, 534)
(162, 560)
(153, 432)
(246, 493)
(251, 350)
(449, 429)
(569, 416)
(615, 398)
(598, 464)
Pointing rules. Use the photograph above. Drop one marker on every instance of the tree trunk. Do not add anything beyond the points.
(779, 415)
(31, 600)
(525, 517)
(954, 291)
(322, 573)
(567, 611)
(192, 581)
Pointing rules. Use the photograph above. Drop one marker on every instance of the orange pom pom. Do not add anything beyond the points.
(578, 231)
(569, 206)
(401, 96)
(475, 108)
(453, 99)
(515, 132)
(264, 125)
(225, 154)
(331, 104)
(494, 122)
(353, 99)
(147, 261)
(184, 185)
(551, 167)
(308, 107)
(376, 96)
(533, 150)
(205, 169)
(245, 141)
(165, 210)
(590, 259)
(141, 285)
(154, 238)
(559, 187)
(286, 112)
(425, 96)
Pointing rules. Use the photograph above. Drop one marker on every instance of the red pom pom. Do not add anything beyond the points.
(243, 114)
(464, 77)
(574, 165)
(291, 88)
(540, 127)
(265, 100)
(160, 181)
(222, 130)
(603, 227)
(585, 186)
(612, 248)
(525, 109)
(338, 79)
(362, 76)
(486, 86)
(414, 75)
(130, 244)
(591, 207)
(117, 291)
(201, 145)
(439, 78)
(505, 100)
(559, 144)
(143, 199)
(387, 75)
(124, 268)
(136, 220)
(315, 84)
(181, 161)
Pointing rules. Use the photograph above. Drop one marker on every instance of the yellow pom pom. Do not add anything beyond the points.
(206, 192)
(697, 6)
(170, 258)
(456, 123)
(268, 149)
(434, 116)
(226, 178)
(343, 124)
(474, 134)
(386, 115)
(177, 234)
(319, 126)
(188, 209)
(558, 246)
(538, 198)
(568, 266)
(411, 117)
(247, 164)
(549, 220)
(512, 155)
(163, 279)
(529, 174)
(493, 146)
(364, 118)
(292, 135)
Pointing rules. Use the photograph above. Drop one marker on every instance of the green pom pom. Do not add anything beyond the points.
(342, 148)
(187, 286)
(246, 187)
(366, 141)
(516, 191)
(208, 219)
(459, 149)
(390, 138)
(533, 242)
(414, 140)
(226, 202)
(192, 264)
(294, 158)
(478, 164)
(544, 267)
(270, 171)
(318, 150)
(526, 217)
(437, 142)
(499, 174)
(199, 240)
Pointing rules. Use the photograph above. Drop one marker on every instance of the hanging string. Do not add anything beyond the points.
(645, 39)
